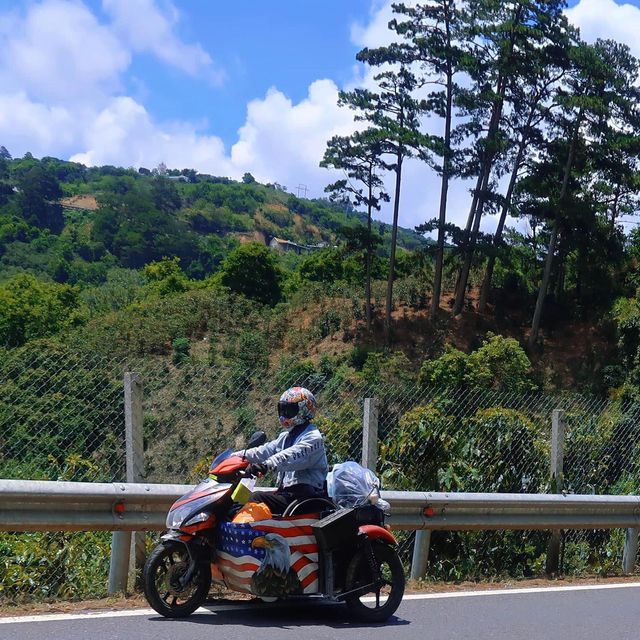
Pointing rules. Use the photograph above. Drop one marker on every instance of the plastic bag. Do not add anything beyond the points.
(351, 485)
(252, 512)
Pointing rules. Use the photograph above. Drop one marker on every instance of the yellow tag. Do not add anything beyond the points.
(241, 493)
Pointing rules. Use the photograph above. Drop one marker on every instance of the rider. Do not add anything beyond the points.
(297, 454)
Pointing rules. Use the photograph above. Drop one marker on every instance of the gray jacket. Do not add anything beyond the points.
(304, 462)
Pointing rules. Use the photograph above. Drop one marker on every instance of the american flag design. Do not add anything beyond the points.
(240, 559)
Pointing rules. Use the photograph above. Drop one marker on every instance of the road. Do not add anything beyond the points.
(574, 613)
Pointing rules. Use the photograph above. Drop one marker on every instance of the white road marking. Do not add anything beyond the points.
(510, 592)
(54, 617)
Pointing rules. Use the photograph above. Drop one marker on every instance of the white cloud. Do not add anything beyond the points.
(145, 27)
(124, 134)
(61, 78)
(607, 19)
(47, 128)
(375, 33)
(60, 54)
(61, 74)
(285, 142)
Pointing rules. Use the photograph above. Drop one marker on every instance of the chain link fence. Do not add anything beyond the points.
(62, 418)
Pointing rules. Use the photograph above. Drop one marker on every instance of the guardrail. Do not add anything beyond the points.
(33, 505)
(29, 505)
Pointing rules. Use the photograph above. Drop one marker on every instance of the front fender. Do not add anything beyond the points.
(375, 532)
(176, 535)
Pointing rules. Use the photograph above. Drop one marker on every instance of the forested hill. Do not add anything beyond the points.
(121, 262)
(72, 224)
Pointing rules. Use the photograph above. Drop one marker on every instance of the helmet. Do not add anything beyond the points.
(297, 405)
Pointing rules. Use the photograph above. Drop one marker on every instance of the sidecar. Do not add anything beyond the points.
(342, 554)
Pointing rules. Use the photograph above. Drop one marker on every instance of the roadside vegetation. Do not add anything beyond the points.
(173, 272)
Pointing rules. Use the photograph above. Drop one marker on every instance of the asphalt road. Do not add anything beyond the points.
(565, 614)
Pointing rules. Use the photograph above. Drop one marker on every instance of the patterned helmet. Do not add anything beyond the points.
(297, 406)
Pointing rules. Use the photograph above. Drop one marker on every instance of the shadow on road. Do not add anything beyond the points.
(283, 615)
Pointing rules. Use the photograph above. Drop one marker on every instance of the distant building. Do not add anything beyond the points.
(178, 178)
(286, 246)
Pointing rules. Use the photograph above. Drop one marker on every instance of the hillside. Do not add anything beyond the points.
(65, 222)
(85, 252)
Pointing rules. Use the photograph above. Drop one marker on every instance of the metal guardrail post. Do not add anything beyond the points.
(370, 434)
(119, 564)
(133, 418)
(420, 554)
(552, 565)
(630, 550)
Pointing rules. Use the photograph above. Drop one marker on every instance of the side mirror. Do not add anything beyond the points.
(258, 438)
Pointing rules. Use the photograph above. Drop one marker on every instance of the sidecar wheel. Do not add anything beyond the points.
(166, 564)
(379, 601)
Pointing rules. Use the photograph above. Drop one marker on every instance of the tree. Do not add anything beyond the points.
(165, 195)
(432, 39)
(165, 277)
(599, 95)
(131, 226)
(505, 38)
(393, 114)
(359, 156)
(4, 154)
(247, 178)
(30, 308)
(253, 271)
(531, 108)
(160, 170)
(39, 193)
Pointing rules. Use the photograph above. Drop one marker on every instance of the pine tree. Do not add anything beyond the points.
(432, 37)
(393, 115)
(505, 36)
(598, 100)
(359, 156)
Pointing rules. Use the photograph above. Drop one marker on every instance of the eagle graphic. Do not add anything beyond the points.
(274, 577)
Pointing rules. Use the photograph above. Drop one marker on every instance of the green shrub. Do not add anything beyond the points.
(446, 372)
(326, 324)
(30, 308)
(422, 453)
(180, 350)
(252, 270)
(499, 364)
(505, 452)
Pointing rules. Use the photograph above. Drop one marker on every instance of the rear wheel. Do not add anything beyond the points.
(165, 566)
(379, 587)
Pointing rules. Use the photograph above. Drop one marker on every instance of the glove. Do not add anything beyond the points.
(257, 469)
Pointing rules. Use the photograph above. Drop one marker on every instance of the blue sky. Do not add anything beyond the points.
(258, 44)
(222, 87)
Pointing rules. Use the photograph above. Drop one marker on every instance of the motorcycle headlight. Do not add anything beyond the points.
(199, 517)
(176, 517)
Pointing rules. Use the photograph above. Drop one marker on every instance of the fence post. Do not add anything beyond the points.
(630, 550)
(370, 434)
(128, 551)
(133, 421)
(552, 565)
(420, 554)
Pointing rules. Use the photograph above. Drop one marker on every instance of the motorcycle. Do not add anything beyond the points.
(314, 550)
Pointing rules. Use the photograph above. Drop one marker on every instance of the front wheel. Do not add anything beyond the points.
(165, 566)
(378, 581)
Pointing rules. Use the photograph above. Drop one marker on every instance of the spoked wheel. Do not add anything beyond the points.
(165, 566)
(379, 587)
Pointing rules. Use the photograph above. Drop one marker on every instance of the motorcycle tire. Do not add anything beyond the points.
(359, 574)
(164, 566)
